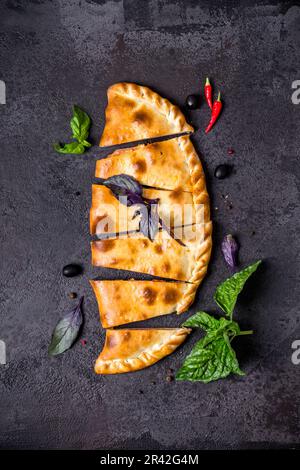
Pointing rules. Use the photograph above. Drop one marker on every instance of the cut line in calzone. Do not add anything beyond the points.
(166, 165)
(163, 257)
(126, 301)
(135, 112)
(129, 350)
(173, 165)
(108, 215)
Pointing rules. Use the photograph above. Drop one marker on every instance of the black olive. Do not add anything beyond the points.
(71, 270)
(192, 102)
(222, 171)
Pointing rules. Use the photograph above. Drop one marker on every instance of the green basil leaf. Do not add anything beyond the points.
(80, 124)
(86, 144)
(66, 331)
(202, 320)
(227, 293)
(210, 360)
(72, 148)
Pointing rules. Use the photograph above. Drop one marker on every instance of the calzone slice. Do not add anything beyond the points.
(161, 164)
(163, 257)
(172, 165)
(108, 215)
(135, 113)
(134, 349)
(126, 301)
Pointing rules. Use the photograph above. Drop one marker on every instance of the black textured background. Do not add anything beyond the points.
(56, 53)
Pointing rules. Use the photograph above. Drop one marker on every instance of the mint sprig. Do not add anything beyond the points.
(80, 125)
(213, 357)
(227, 293)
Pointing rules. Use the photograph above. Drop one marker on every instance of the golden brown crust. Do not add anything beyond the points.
(126, 301)
(108, 215)
(135, 349)
(194, 268)
(163, 257)
(201, 260)
(167, 164)
(161, 165)
(202, 209)
(135, 112)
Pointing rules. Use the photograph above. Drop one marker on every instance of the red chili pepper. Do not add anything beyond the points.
(216, 109)
(208, 93)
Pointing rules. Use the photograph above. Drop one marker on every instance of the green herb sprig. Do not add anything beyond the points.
(80, 125)
(213, 357)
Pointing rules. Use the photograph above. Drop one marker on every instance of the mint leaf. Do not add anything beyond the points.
(227, 293)
(86, 144)
(210, 360)
(71, 148)
(213, 358)
(212, 325)
(202, 320)
(80, 125)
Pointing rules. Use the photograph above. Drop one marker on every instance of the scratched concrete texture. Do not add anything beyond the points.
(57, 53)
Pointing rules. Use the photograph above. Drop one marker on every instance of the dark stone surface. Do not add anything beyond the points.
(56, 53)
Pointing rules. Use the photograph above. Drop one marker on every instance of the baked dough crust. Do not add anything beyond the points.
(108, 215)
(160, 165)
(122, 302)
(188, 267)
(129, 350)
(202, 209)
(135, 112)
(163, 257)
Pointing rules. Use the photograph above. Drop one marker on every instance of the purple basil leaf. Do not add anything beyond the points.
(149, 223)
(122, 185)
(131, 199)
(129, 192)
(153, 220)
(230, 250)
(66, 331)
(144, 222)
